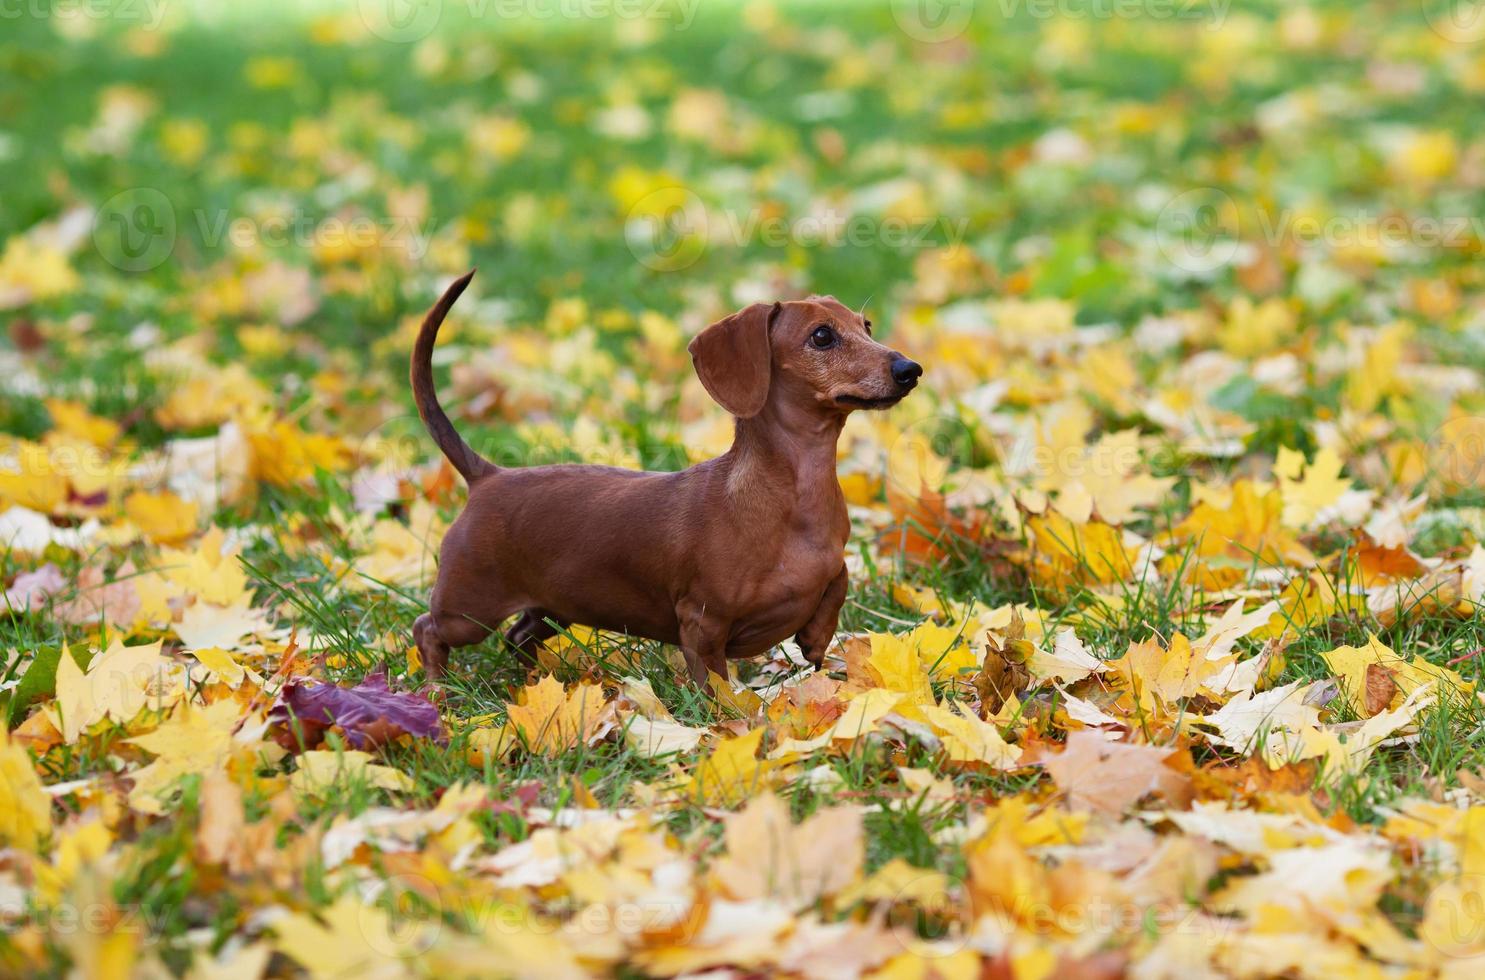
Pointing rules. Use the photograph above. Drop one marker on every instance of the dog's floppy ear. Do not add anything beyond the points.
(733, 358)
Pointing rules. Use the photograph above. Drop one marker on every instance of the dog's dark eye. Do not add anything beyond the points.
(822, 338)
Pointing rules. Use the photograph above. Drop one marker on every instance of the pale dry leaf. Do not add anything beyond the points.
(1110, 776)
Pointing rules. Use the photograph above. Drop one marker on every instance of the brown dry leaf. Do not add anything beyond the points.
(1109, 776)
(1472, 781)
(1381, 686)
(1003, 673)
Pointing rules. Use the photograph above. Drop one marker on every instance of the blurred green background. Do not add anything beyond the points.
(628, 166)
(1047, 137)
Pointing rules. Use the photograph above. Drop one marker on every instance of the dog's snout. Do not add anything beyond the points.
(906, 372)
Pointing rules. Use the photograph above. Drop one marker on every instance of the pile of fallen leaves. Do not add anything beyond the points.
(1162, 652)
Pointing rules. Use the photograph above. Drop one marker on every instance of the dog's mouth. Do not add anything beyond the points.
(887, 401)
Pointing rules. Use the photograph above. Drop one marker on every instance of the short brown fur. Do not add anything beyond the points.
(726, 558)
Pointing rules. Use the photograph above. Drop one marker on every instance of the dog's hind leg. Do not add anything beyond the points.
(436, 634)
(431, 647)
(529, 632)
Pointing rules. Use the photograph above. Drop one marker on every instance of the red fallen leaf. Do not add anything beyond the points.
(522, 798)
(26, 336)
(925, 529)
(369, 714)
(96, 499)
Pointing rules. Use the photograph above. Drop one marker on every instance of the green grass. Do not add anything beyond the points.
(904, 112)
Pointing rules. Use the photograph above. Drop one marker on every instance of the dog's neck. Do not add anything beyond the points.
(785, 439)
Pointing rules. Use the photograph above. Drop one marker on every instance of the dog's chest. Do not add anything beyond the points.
(785, 584)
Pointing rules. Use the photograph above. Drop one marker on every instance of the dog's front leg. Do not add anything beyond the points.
(703, 644)
(815, 636)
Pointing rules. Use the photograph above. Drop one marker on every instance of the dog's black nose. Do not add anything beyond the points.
(906, 372)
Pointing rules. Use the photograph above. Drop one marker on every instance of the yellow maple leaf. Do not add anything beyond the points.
(212, 397)
(1376, 376)
(1102, 480)
(31, 271)
(346, 939)
(220, 663)
(942, 651)
(1351, 665)
(73, 419)
(162, 517)
(898, 881)
(1004, 880)
(322, 772)
(917, 598)
(968, 740)
(1159, 677)
(896, 666)
(732, 772)
(860, 718)
(210, 572)
(194, 740)
(737, 702)
(1232, 537)
(1064, 553)
(25, 809)
(33, 480)
(1309, 489)
(1252, 330)
(1424, 156)
(118, 684)
(550, 720)
(78, 847)
(286, 455)
(398, 553)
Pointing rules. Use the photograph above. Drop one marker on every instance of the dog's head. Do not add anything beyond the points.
(815, 351)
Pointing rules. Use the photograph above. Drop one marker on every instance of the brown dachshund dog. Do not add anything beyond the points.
(726, 558)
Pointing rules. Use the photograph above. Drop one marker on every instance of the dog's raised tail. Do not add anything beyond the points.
(469, 463)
